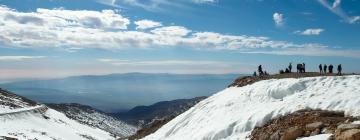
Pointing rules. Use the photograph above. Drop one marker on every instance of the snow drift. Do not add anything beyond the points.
(234, 112)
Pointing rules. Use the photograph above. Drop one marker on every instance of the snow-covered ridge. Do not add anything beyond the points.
(24, 119)
(235, 111)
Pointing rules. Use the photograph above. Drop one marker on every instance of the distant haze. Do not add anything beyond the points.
(118, 92)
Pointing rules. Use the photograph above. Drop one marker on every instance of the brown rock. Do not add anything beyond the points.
(292, 133)
(343, 127)
(307, 133)
(264, 136)
(352, 134)
(315, 132)
(275, 136)
(314, 126)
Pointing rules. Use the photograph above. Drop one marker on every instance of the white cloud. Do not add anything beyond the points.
(109, 2)
(19, 58)
(145, 24)
(316, 31)
(171, 31)
(165, 5)
(336, 9)
(336, 3)
(204, 1)
(278, 19)
(120, 62)
(355, 19)
(312, 52)
(66, 29)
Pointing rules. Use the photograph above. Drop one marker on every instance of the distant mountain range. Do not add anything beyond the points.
(121, 92)
(143, 116)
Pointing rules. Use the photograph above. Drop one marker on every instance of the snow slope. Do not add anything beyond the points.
(33, 125)
(24, 119)
(233, 113)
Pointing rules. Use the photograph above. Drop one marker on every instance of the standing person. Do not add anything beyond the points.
(260, 70)
(325, 68)
(331, 67)
(254, 74)
(339, 68)
(290, 67)
(320, 68)
(303, 68)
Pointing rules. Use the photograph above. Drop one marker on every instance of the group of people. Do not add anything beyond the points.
(323, 69)
(301, 69)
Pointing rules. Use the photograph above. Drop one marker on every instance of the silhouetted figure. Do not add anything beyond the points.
(290, 67)
(325, 68)
(260, 70)
(339, 68)
(254, 74)
(303, 67)
(321, 69)
(331, 67)
(299, 68)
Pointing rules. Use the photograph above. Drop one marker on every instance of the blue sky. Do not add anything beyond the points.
(58, 38)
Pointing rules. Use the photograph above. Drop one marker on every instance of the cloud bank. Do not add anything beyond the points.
(108, 29)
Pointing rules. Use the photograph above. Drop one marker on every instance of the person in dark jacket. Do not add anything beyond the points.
(339, 68)
(321, 69)
(325, 68)
(260, 70)
(290, 67)
(331, 67)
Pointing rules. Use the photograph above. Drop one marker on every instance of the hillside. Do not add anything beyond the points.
(143, 116)
(22, 118)
(234, 112)
(95, 118)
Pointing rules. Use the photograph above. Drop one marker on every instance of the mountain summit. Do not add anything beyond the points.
(234, 112)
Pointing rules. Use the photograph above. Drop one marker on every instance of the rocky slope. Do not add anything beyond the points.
(95, 118)
(305, 123)
(144, 116)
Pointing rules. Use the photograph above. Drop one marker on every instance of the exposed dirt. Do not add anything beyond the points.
(307, 122)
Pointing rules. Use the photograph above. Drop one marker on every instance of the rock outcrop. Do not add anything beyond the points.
(307, 123)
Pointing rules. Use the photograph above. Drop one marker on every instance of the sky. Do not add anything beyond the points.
(58, 38)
